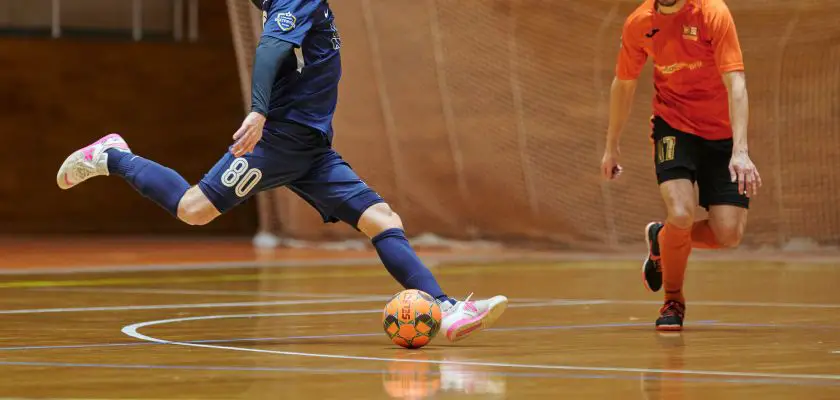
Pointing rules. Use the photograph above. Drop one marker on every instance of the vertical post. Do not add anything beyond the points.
(56, 19)
(178, 20)
(519, 111)
(193, 20)
(784, 231)
(137, 20)
(601, 86)
(445, 92)
(381, 83)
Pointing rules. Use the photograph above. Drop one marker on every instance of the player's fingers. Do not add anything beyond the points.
(237, 150)
(240, 146)
(741, 182)
(732, 174)
(252, 144)
(758, 178)
(239, 132)
(253, 138)
(749, 188)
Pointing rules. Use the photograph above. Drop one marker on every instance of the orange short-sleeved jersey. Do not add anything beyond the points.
(690, 50)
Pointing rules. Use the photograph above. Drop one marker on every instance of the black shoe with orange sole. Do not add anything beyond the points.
(671, 316)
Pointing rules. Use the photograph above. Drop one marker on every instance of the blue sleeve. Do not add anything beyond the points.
(289, 20)
(270, 56)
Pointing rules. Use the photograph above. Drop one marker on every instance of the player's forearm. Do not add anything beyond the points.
(621, 101)
(739, 110)
(270, 55)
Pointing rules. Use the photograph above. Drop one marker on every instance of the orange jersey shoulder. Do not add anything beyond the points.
(632, 54)
(690, 50)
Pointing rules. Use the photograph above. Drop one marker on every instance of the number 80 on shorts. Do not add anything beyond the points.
(239, 177)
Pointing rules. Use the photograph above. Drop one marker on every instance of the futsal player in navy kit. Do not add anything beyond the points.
(286, 140)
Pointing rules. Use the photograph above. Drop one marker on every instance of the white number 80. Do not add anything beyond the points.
(240, 176)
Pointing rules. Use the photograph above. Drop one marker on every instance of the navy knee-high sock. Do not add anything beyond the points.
(160, 184)
(404, 265)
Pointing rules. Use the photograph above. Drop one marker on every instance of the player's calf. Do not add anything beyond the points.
(384, 228)
(111, 155)
(461, 319)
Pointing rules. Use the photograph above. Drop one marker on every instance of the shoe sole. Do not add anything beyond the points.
(644, 263)
(477, 324)
(669, 328)
(61, 177)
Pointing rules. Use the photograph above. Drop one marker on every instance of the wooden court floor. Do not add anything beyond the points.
(577, 330)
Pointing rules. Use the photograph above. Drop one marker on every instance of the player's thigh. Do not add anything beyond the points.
(713, 178)
(675, 159)
(335, 190)
(234, 179)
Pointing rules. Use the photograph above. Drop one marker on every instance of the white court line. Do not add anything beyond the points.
(359, 299)
(371, 261)
(342, 262)
(200, 292)
(188, 306)
(133, 331)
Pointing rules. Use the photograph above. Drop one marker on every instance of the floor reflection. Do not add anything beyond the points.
(411, 378)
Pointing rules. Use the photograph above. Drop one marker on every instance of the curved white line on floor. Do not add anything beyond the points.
(133, 331)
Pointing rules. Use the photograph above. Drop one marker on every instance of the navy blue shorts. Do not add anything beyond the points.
(299, 158)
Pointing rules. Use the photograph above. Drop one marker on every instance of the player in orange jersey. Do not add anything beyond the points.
(700, 115)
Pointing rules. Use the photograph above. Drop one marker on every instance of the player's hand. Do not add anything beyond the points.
(248, 135)
(610, 169)
(743, 171)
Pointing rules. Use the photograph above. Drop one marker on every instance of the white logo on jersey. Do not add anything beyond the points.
(286, 21)
(336, 37)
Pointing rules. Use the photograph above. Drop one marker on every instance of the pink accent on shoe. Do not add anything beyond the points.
(456, 326)
(470, 306)
(88, 151)
(67, 181)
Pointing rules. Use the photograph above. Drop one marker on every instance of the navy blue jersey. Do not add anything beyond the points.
(309, 96)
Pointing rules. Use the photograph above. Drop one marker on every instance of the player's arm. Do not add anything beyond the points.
(270, 55)
(621, 103)
(739, 110)
(730, 63)
(631, 59)
(286, 25)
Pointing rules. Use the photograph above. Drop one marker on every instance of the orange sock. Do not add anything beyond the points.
(675, 247)
(702, 236)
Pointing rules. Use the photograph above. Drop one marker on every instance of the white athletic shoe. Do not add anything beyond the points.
(465, 318)
(89, 161)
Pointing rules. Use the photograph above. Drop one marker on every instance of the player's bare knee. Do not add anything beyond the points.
(681, 215)
(728, 235)
(195, 209)
(730, 239)
(379, 218)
